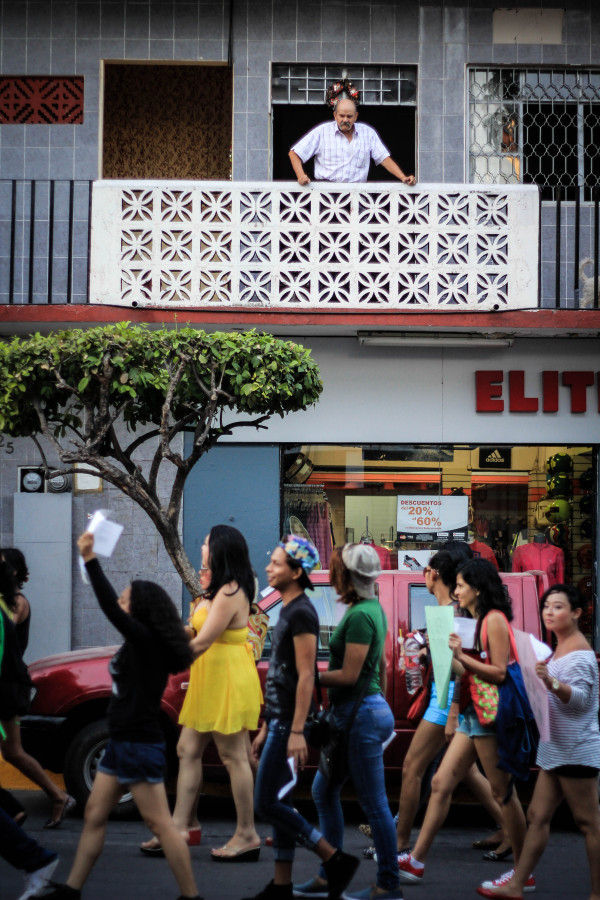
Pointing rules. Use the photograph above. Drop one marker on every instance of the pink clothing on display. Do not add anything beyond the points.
(385, 557)
(319, 530)
(545, 557)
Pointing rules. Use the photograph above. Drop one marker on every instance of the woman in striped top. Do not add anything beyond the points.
(570, 760)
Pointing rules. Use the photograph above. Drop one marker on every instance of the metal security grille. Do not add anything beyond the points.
(535, 126)
(378, 85)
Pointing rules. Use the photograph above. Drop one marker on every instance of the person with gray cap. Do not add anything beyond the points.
(357, 667)
(280, 742)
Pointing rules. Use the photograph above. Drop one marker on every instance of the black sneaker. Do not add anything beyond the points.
(340, 871)
(274, 892)
(54, 891)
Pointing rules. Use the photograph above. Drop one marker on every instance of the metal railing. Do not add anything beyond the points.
(338, 248)
(44, 241)
(576, 256)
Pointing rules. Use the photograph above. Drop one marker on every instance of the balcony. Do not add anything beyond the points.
(280, 246)
(261, 252)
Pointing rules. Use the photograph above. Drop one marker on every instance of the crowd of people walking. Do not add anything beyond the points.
(224, 701)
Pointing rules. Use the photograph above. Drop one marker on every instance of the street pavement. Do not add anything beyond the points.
(453, 870)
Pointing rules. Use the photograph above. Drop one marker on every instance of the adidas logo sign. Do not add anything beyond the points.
(495, 456)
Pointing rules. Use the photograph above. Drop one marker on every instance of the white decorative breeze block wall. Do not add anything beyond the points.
(201, 244)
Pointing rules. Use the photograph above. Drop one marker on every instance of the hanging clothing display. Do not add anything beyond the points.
(543, 556)
(306, 511)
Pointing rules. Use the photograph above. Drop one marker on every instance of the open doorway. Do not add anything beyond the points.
(395, 124)
(167, 121)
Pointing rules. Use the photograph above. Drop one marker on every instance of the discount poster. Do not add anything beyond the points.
(432, 518)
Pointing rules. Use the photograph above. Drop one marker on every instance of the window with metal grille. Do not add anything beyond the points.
(388, 101)
(378, 85)
(535, 126)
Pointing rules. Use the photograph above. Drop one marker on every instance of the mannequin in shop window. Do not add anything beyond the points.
(385, 557)
(540, 555)
(483, 551)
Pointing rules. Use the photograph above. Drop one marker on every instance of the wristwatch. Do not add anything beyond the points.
(555, 685)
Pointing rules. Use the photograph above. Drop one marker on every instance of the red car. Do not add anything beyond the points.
(67, 729)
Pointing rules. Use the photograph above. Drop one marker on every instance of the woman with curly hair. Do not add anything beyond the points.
(480, 592)
(223, 699)
(15, 686)
(155, 645)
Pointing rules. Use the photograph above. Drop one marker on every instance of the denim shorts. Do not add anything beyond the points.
(472, 727)
(131, 761)
(433, 713)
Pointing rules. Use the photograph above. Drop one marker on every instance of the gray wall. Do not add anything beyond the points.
(70, 37)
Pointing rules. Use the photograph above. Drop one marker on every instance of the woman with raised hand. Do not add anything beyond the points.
(155, 645)
(223, 699)
(480, 592)
(570, 761)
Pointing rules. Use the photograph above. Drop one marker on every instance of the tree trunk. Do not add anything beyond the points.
(179, 558)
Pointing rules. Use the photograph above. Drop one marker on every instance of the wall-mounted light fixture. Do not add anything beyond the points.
(391, 339)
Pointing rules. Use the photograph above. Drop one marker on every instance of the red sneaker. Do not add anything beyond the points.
(528, 887)
(407, 871)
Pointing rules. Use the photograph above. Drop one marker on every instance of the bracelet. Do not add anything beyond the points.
(296, 732)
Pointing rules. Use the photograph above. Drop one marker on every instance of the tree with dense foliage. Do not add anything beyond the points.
(96, 396)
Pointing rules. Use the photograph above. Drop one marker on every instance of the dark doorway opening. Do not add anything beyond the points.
(395, 124)
(167, 121)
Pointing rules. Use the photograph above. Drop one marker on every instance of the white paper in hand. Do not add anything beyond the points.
(290, 784)
(465, 629)
(106, 533)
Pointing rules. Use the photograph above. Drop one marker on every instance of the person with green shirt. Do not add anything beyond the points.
(357, 657)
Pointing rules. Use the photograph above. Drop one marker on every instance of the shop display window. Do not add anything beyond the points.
(507, 502)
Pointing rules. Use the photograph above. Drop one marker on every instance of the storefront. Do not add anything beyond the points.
(412, 446)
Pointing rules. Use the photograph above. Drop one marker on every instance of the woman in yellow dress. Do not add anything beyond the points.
(224, 697)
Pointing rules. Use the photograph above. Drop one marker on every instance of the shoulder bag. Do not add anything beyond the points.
(516, 730)
(333, 764)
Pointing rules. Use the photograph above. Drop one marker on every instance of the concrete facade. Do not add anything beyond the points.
(74, 37)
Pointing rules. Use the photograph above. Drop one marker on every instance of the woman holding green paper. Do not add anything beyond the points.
(481, 593)
(436, 727)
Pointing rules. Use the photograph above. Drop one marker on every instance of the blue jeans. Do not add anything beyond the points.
(373, 724)
(20, 850)
(289, 827)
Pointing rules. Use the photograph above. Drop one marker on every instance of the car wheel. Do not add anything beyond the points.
(81, 764)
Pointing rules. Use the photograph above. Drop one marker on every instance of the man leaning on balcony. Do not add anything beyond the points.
(343, 150)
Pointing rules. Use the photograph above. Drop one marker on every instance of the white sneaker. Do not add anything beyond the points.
(36, 881)
(528, 887)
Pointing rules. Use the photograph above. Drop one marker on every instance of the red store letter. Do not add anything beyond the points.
(578, 382)
(550, 391)
(518, 402)
(488, 391)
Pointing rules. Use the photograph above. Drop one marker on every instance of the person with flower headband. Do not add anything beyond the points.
(342, 150)
(280, 743)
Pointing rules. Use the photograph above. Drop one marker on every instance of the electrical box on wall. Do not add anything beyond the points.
(31, 480)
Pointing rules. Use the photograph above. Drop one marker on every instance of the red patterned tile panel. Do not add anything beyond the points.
(41, 100)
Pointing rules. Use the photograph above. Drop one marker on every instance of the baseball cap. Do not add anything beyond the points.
(364, 566)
